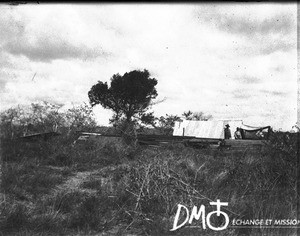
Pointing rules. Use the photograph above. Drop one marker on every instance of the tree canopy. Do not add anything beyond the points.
(189, 115)
(128, 96)
(45, 117)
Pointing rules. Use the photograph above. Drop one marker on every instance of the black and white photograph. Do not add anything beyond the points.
(149, 119)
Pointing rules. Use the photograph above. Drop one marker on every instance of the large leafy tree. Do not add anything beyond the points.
(128, 96)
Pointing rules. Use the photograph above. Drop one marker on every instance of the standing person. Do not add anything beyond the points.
(237, 133)
(227, 132)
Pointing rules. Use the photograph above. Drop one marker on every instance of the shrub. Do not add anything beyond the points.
(254, 183)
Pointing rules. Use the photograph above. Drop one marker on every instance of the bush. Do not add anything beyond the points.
(254, 183)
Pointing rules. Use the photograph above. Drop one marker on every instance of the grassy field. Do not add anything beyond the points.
(105, 187)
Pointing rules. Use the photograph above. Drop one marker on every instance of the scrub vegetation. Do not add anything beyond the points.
(107, 186)
(59, 185)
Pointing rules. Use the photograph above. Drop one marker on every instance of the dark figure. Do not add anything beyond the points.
(237, 133)
(227, 132)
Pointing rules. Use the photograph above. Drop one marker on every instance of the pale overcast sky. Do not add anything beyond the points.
(227, 60)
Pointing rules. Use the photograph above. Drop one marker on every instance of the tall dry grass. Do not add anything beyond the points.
(136, 189)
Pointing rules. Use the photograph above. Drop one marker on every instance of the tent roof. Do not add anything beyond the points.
(253, 128)
(204, 129)
(210, 129)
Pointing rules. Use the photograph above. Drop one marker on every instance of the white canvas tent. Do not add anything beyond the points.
(209, 129)
(201, 129)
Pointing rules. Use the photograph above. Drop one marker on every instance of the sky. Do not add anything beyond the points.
(233, 60)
